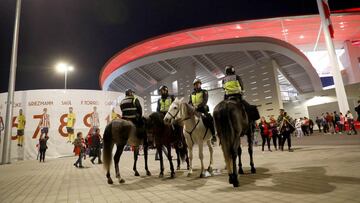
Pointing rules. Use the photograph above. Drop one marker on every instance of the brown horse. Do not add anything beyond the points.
(122, 132)
(167, 135)
(231, 123)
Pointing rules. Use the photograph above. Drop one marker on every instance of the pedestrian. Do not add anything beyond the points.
(43, 146)
(95, 147)
(79, 149)
(274, 132)
(286, 129)
(357, 109)
(299, 131)
(265, 133)
(324, 123)
(329, 120)
(341, 123)
(318, 122)
(311, 126)
(350, 119)
(20, 128)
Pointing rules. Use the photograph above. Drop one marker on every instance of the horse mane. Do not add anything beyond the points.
(157, 119)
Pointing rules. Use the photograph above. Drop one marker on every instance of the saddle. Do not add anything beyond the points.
(251, 110)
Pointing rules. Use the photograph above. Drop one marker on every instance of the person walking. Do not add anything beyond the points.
(79, 149)
(20, 128)
(275, 133)
(265, 133)
(43, 147)
(357, 109)
(95, 147)
(298, 126)
(311, 126)
(286, 129)
(350, 119)
(341, 123)
(318, 122)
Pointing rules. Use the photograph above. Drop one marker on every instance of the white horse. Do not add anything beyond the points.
(195, 131)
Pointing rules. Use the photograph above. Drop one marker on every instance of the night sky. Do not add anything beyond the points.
(86, 33)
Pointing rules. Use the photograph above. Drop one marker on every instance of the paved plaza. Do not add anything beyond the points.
(322, 168)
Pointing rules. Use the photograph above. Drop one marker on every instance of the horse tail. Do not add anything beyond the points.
(183, 151)
(108, 146)
(225, 129)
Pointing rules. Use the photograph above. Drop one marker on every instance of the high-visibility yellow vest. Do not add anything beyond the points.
(231, 85)
(21, 122)
(114, 115)
(165, 104)
(197, 98)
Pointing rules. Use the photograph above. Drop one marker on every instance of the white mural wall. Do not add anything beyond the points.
(57, 103)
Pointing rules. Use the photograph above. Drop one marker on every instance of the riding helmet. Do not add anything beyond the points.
(229, 70)
(197, 80)
(128, 91)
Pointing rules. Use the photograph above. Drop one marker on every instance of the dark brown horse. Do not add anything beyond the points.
(167, 135)
(231, 122)
(122, 132)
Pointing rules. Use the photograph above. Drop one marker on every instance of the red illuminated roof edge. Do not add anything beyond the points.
(102, 79)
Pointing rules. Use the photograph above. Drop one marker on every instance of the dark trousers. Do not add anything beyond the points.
(319, 126)
(42, 154)
(97, 155)
(286, 136)
(267, 139)
(275, 138)
(79, 160)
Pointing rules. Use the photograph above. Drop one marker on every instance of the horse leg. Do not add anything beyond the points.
(241, 171)
(250, 150)
(187, 160)
(177, 150)
(211, 150)
(146, 148)
(119, 150)
(190, 159)
(235, 181)
(136, 155)
(201, 156)
(159, 150)
(172, 175)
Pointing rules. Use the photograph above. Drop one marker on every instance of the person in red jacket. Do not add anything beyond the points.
(265, 132)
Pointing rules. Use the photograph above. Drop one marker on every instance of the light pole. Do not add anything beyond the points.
(64, 68)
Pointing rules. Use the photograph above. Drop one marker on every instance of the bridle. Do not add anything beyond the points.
(174, 116)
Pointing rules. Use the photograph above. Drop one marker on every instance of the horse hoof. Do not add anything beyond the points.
(161, 175)
(121, 181)
(241, 171)
(230, 179)
(137, 173)
(253, 170)
(110, 181)
(188, 168)
(236, 184)
(178, 168)
(210, 169)
(172, 175)
(189, 174)
(202, 175)
(148, 173)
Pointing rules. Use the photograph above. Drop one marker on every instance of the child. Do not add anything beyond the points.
(79, 149)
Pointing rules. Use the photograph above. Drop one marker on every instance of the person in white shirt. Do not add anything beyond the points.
(350, 119)
(299, 131)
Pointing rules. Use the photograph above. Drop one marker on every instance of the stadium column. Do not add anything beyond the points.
(335, 70)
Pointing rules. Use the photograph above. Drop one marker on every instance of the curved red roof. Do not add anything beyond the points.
(299, 31)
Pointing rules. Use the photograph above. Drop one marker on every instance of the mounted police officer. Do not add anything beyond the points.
(165, 101)
(234, 89)
(131, 108)
(199, 99)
